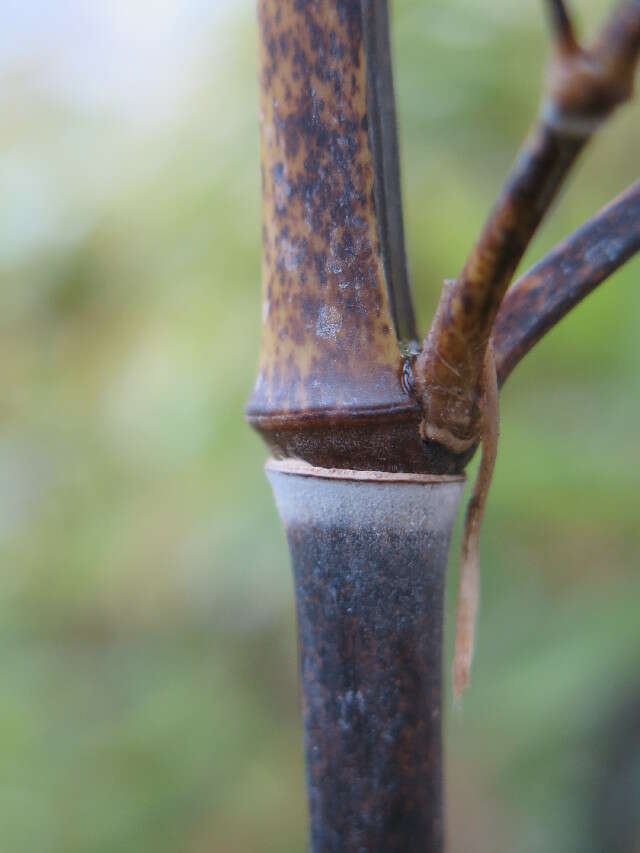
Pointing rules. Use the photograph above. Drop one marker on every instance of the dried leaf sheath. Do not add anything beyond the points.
(469, 582)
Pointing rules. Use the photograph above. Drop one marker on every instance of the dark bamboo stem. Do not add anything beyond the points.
(335, 289)
(585, 85)
(368, 534)
(369, 554)
(547, 292)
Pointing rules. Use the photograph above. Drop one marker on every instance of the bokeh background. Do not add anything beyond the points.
(148, 695)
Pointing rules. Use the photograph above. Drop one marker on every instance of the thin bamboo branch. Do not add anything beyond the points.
(561, 25)
(584, 87)
(562, 279)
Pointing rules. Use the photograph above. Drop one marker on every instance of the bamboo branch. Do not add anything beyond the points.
(547, 292)
(584, 87)
(561, 25)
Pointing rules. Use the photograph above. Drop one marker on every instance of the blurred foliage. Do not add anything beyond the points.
(147, 646)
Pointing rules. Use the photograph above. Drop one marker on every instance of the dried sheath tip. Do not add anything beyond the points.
(469, 584)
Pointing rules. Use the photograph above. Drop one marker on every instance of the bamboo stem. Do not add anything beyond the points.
(562, 279)
(369, 554)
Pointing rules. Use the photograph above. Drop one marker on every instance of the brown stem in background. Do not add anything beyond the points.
(548, 291)
(584, 87)
(561, 25)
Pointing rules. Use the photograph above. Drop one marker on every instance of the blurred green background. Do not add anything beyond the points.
(147, 640)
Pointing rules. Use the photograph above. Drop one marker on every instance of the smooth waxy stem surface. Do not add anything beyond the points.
(369, 555)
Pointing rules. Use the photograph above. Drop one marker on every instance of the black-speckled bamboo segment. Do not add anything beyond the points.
(330, 386)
